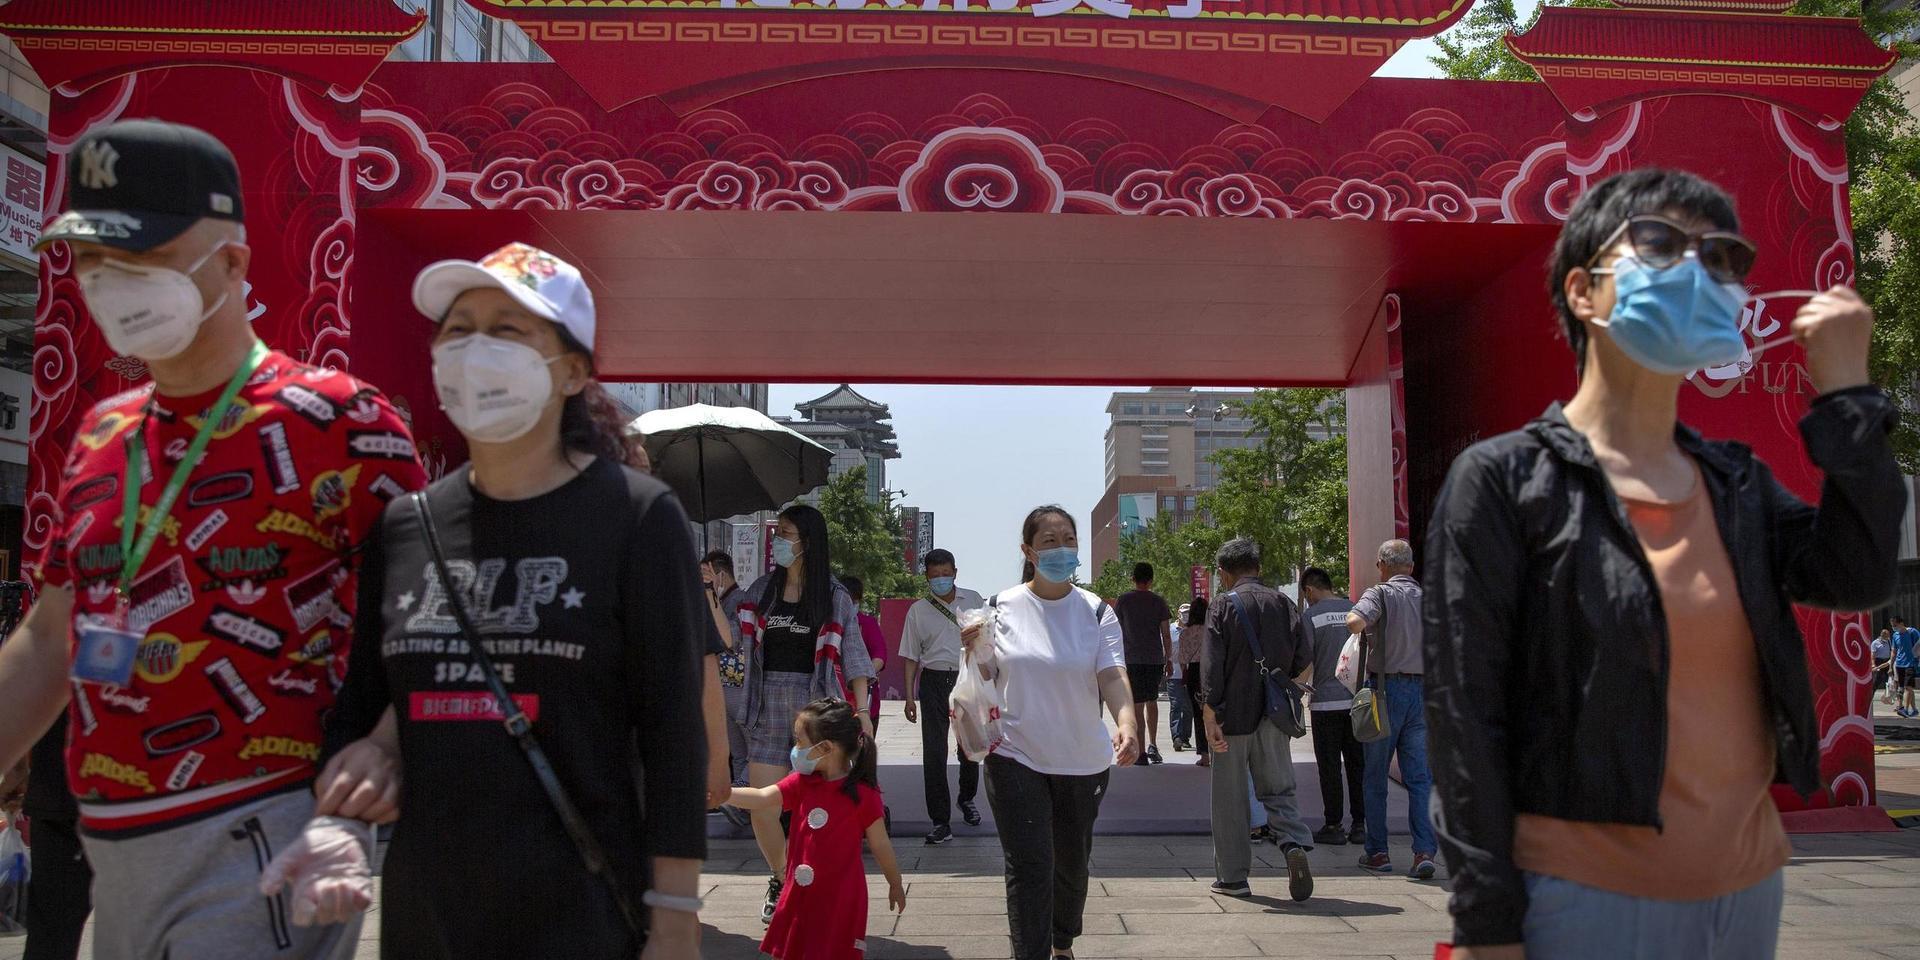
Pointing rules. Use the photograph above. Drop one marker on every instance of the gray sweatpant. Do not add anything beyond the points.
(191, 892)
(1267, 754)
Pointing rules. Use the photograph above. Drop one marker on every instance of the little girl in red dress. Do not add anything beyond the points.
(834, 796)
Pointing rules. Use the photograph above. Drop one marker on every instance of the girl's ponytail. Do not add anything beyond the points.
(866, 767)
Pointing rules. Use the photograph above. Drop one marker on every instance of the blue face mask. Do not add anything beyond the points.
(1058, 563)
(801, 762)
(783, 552)
(1676, 320)
(941, 586)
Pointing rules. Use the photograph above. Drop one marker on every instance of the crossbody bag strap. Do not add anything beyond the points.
(1253, 634)
(592, 855)
(1380, 675)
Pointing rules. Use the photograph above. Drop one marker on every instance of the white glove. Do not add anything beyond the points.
(327, 868)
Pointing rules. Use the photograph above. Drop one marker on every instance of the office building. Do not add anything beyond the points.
(1159, 457)
(458, 32)
(638, 398)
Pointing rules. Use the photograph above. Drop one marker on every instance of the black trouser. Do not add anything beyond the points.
(1334, 742)
(1046, 829)
(936, 686)
(1192, 671)
(59, 892)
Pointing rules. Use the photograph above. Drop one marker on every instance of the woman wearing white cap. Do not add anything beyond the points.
(577, 573)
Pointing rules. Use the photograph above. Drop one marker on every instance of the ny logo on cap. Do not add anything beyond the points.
(96, 165)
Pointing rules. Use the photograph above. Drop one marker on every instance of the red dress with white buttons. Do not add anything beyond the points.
(823, 907)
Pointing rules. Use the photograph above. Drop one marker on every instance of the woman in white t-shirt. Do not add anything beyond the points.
(1056, 655)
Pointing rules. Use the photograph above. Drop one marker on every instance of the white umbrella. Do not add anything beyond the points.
(726, 461)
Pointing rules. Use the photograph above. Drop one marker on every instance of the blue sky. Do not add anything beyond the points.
(981, 457)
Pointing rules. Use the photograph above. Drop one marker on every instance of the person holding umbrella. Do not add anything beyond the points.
(727, 461)
(802, 632)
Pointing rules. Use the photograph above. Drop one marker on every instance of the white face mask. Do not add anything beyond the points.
(152, 313)
(492, 389)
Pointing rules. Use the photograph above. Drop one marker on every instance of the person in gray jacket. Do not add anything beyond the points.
(803, 640)
(1334, 745)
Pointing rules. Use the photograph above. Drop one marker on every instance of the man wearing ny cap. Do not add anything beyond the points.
(196, 589)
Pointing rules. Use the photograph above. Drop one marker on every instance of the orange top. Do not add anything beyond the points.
(1722, 832)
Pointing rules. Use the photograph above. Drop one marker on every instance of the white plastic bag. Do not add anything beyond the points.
(1347, 670)
(14, 870)
(976, 702)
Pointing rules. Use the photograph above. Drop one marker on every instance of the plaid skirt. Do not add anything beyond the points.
(782, 695)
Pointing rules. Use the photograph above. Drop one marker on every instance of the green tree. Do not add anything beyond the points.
(1171, 548)
(864, 538)
(1883, 152)
(1289, 493)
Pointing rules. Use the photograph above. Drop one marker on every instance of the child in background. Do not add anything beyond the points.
(834, 797)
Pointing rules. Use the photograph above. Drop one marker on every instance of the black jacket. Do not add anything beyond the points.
(1229, 681)
(1546, 645)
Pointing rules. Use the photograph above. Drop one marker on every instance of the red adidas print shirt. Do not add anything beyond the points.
(246, 599)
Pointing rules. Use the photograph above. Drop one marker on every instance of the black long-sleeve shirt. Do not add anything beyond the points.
(1230, 682)
(590, 605)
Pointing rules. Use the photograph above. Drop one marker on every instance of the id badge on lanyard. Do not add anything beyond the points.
(107, 645)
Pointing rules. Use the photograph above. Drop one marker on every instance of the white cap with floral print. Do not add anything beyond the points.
(546, 285)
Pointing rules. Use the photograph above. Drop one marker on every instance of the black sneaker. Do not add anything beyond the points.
(1358, 834)
(1263, 834)
(1179, 746)
(1299, 873)
(1153, 755)
(773, 900)
(1330, 834)
(941, 834)
(969, 813)
(1225, 889)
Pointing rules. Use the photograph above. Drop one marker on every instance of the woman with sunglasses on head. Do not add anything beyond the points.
(578, 575)
(802, 630)
(1057, 657)
(1614, 673)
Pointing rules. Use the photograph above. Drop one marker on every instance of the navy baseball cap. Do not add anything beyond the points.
(137, 184)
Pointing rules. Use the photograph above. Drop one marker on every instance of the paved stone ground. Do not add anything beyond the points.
(1850, 896)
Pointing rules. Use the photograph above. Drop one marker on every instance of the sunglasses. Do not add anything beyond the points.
(1660, 243)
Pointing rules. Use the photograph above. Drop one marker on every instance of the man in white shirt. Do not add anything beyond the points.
(930, 646)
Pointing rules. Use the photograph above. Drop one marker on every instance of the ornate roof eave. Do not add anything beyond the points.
(1597, 59)
(842, 397)
(1243, 57)
(334, 44)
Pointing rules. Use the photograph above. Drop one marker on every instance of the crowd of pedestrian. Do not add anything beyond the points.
(260, 631)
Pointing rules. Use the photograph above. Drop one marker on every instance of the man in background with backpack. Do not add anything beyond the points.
(1248, 625)
(1391, 611)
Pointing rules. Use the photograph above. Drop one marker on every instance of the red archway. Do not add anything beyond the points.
(1202, 191)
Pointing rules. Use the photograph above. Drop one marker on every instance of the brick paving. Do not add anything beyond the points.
(1849, 896)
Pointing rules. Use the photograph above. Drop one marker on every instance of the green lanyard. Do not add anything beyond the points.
(133, 554)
